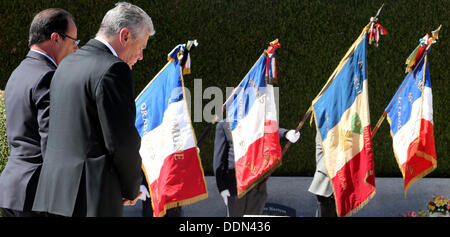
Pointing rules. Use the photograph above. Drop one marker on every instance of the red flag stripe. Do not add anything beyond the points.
(180, 178)
(421, 155)
(261, 156)
(354, 183)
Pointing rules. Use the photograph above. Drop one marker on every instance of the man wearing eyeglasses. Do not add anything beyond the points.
(92, 165)
(52, 36)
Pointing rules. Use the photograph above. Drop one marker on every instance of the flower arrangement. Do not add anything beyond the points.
(439, 205)
(421, 213)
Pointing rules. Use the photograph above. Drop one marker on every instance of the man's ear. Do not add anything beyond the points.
(124, 36)
(55, 38)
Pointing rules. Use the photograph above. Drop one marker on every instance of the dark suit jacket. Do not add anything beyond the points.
(224, 157)
(27, 110)
(92, 158)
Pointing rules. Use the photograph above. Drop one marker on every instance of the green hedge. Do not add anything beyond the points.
(4, 148)
(232, 34)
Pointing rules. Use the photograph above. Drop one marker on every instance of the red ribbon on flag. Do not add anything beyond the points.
(375, 30)
(271, 63)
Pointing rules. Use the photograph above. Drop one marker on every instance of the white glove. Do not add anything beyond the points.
(198, 150)
(144, 193)
(225, 194)
(292, 136)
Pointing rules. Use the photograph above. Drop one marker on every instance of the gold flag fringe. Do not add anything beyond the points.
(263, 176)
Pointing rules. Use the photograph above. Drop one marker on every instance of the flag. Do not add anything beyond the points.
(341, 113)
(170, 159)
(252, 119)
(410, 115)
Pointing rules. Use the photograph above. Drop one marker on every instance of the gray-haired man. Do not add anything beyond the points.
(92, 165)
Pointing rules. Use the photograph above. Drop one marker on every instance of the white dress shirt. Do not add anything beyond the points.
(107, 45)
(39, 52)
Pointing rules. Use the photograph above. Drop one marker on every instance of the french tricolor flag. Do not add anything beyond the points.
(342, 117)
(252, 119)
(410, 115)
(170, 159)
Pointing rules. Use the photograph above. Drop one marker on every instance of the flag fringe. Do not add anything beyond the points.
(360, 206)
(418, 153)
(393, 148)
(341, 64)
(182, 203)
(421, 175)
(195, 198)
(198, 197)
(263, 176)
(193, 132)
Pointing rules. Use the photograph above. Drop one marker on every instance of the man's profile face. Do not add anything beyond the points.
(68, 45)
(134, 50)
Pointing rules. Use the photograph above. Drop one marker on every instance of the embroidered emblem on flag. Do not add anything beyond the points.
(342, 118)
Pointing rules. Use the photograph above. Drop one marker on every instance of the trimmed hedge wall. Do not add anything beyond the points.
(4, 148)
(232, 34)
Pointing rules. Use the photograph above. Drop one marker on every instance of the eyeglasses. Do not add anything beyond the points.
(75, 41)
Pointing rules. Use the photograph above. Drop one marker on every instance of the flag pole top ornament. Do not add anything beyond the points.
(181, 53)
(271, 66)
(424, 44)
(376, 29)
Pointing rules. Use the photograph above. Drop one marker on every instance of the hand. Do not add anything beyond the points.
(144, 193)
(225, 194)
(127, 202)
(292, 136)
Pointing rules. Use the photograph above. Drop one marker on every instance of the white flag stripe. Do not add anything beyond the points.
(249, 129)
(174, 134)
(410, 131)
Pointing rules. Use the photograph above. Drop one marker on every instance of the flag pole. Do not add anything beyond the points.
(330, 79)
(380, 121)
(207, 129)
(299, 126)
(234, 91)
(367, 28)
(435, 36)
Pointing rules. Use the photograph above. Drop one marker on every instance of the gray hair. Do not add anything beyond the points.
(126, 15)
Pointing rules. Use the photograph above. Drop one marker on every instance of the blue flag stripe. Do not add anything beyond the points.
(247, 92)
(166, 88)
(342, 91)
(399, 108)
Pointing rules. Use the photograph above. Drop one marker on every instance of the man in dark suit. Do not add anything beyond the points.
(52, 36)
(92, 165)
(252, 203)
